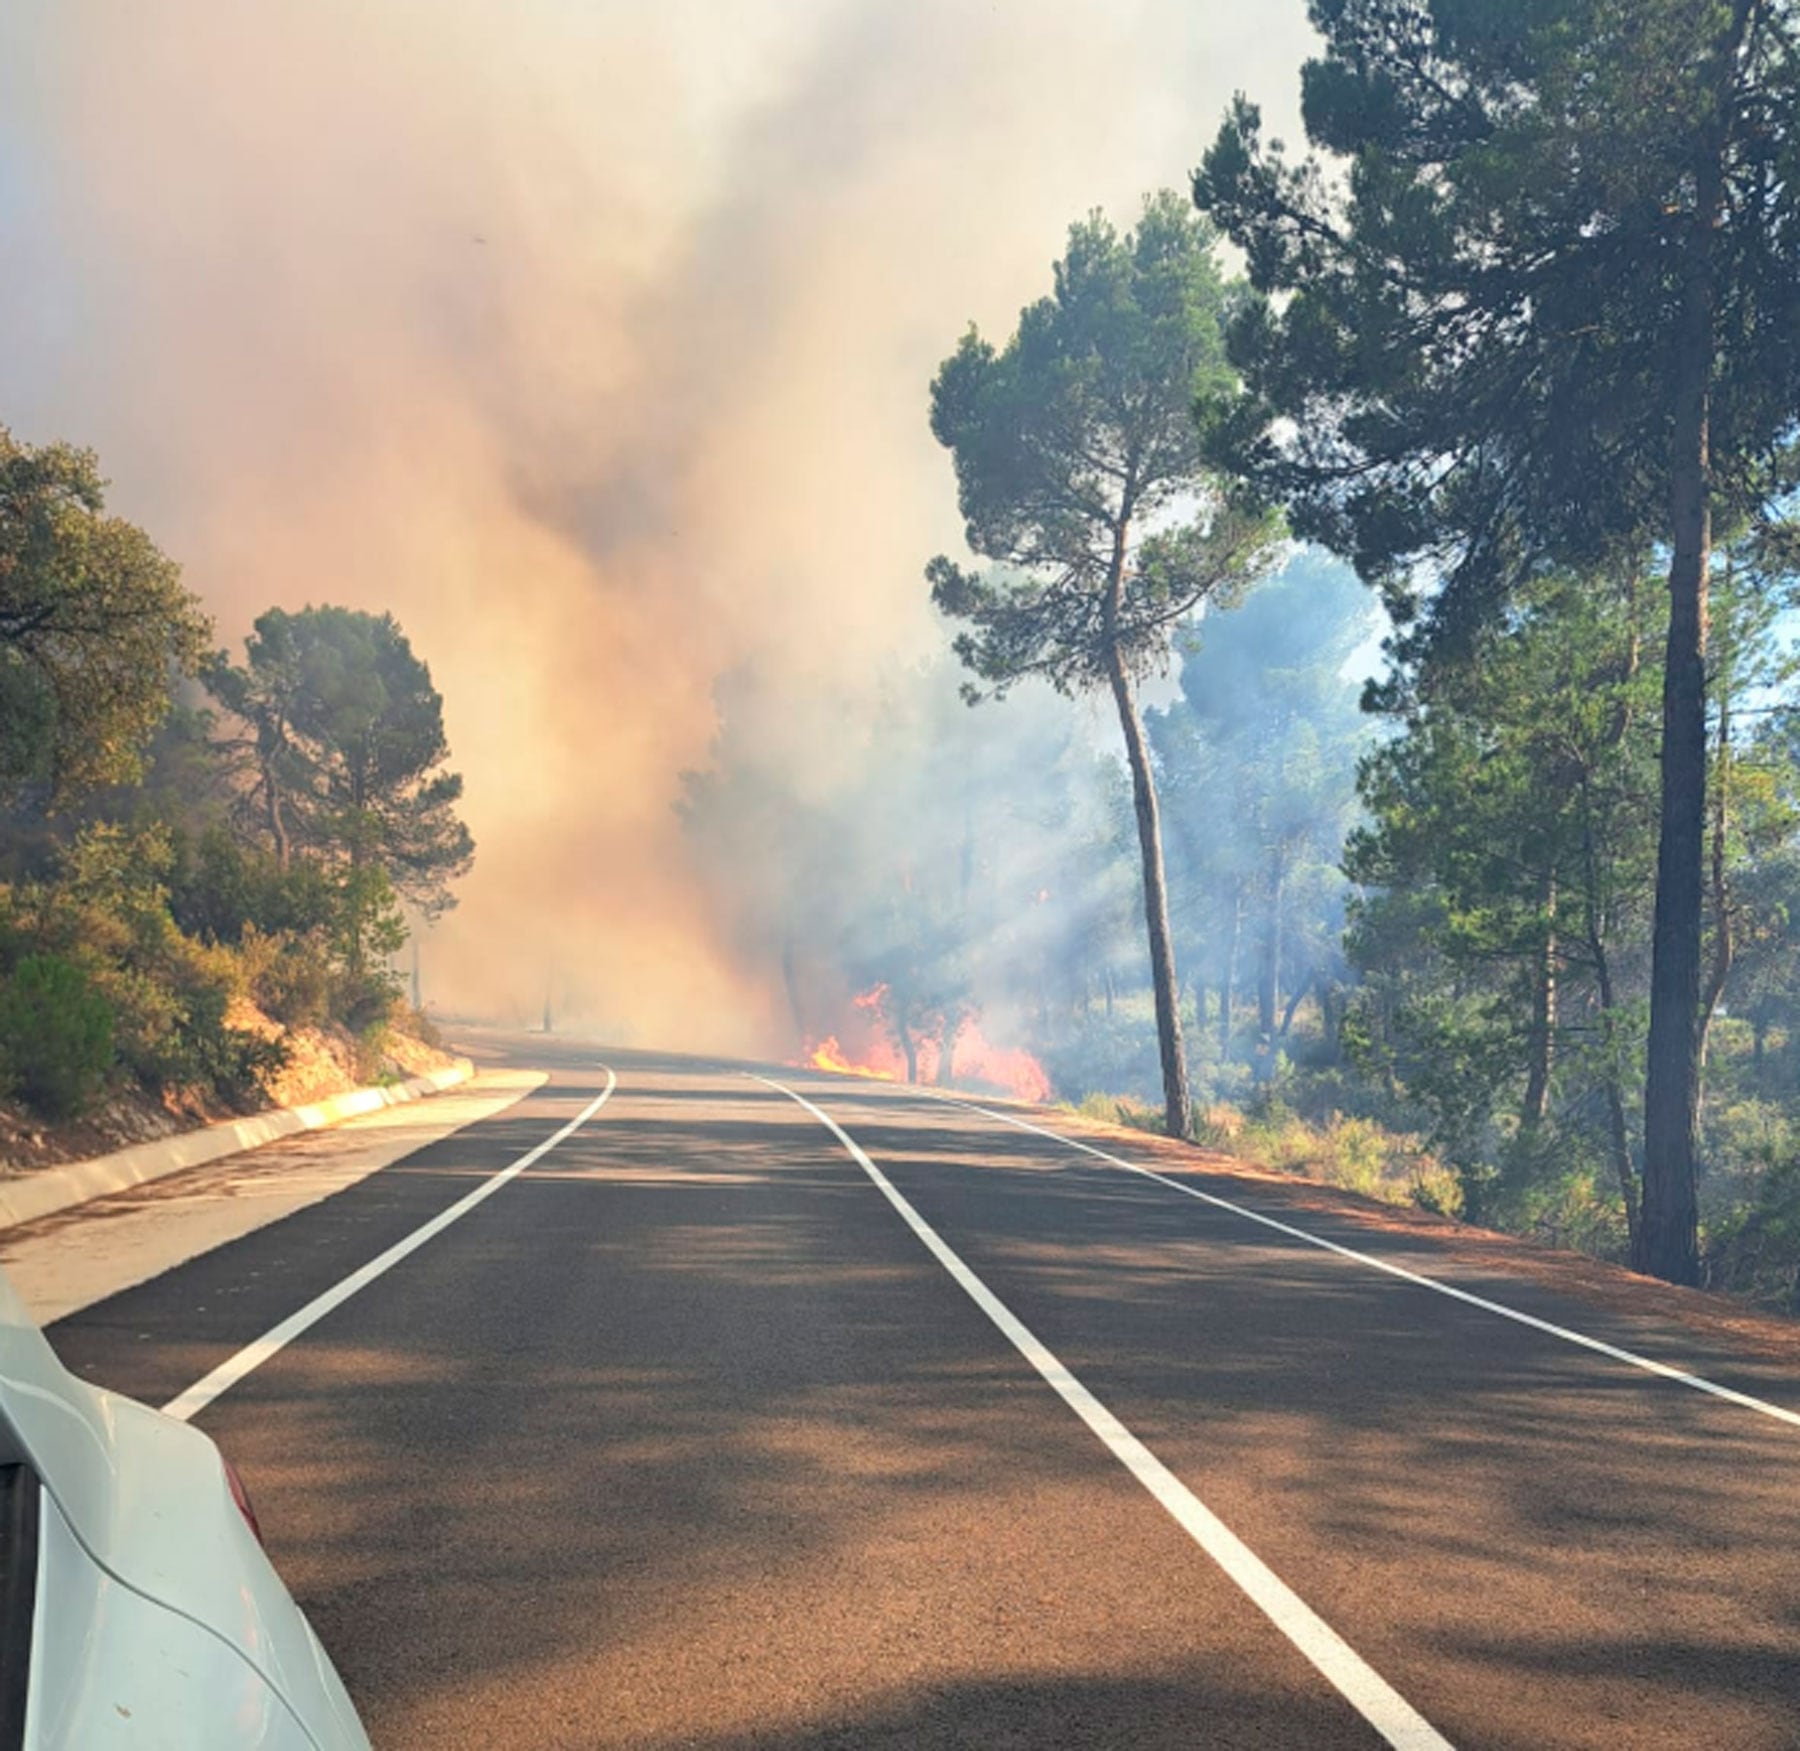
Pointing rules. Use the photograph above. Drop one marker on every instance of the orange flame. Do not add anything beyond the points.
(977, 1059)
(971, 1057)
(829, 1055)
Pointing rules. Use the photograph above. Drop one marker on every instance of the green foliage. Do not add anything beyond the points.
(158, 873)
(168, 994)
(1755, 1249)
(1546, 317)
(291, 978)
(345, 741)
(1079, 475)
(1077, 458)
(220, 889)
(56, 1035)
(1466, 345)
(93, 623)
(1354, 1154)
(1507, 868)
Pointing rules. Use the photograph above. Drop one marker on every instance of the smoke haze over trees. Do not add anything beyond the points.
(586, 339)
(590, 345)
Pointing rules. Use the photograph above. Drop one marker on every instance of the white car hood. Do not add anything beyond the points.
(146, 1498)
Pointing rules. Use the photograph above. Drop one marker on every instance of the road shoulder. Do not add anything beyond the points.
(69, 1260)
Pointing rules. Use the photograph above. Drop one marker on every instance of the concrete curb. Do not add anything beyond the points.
(51, 1189)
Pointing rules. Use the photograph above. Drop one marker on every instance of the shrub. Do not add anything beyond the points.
(168, 993)
(221, 890)
(1357, 1155)
(289, 977)
(364, 1001)
(368, 1053)
(1756, 1250)
(1113, 1109)
(56, 1035)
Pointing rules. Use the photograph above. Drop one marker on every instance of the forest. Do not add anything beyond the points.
(1505, 375)
(205, 864)
(1364, 732)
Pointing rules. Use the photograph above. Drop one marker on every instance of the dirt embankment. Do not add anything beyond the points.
(320, 1062)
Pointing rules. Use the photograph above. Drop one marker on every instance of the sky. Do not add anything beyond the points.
(593, 341)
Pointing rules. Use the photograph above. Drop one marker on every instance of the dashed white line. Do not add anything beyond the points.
(278, 1337)
(1382, 1706)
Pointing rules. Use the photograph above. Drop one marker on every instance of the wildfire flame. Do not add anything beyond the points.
(829, 1055)
(973, 1058)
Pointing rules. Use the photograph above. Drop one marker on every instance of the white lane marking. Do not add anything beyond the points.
(1377, 1701)
(278, 1337)
(1647, 1363)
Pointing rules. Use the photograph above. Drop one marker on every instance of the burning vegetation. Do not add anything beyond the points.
(954, 1052)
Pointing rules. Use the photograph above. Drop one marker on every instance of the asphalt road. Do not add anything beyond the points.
(686, 1437)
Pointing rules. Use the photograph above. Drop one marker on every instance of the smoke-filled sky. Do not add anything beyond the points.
(590, 338)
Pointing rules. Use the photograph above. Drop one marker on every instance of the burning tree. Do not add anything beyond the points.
(1080, 474)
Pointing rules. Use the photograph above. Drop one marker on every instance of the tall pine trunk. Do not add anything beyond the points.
(1268, 987)
(275, 820)
(1719, 883)
(1177, 1111)
(1668, 1235)
(909, 1048)
(1543, 1013)
(1618, 1136)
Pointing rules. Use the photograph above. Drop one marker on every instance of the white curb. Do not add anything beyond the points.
(48, 1190)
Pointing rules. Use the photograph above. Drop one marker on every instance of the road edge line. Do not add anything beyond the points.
(1373, 1698)
(1648, 1364)
(221, 1379)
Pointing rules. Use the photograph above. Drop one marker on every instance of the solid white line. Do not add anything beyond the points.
(278, 1337)
(1648, 1364)
(1382, 1706)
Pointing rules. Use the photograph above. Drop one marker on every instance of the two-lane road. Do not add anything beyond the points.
(718, 1424)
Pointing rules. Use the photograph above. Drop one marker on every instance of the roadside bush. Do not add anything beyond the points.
(1552, 1183)
(168, 993)
(1356, 1155)
(287, 976)
(56, 1035)
(1755, 1251)
(371, 1060)
(364, 1001)
(1113, 1109)
(420, 1025)
(221, 891)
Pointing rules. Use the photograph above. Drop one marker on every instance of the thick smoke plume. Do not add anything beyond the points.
(591, 339)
